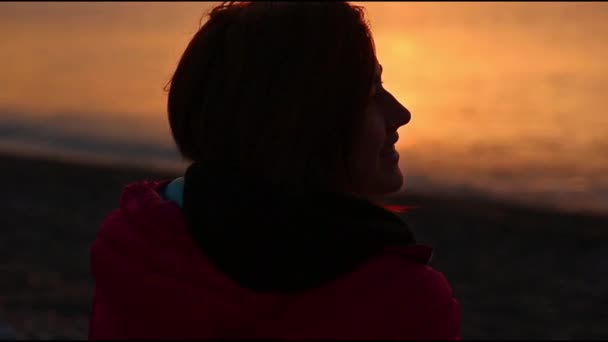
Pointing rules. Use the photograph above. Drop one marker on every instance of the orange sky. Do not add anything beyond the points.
(115, 57)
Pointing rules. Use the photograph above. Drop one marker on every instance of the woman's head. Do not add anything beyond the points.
(287, 91)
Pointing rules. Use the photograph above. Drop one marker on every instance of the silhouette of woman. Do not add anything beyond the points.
(273, 232)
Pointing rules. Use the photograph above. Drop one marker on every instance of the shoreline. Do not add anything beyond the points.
(165, 170)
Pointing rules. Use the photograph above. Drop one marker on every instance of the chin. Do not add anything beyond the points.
(384, 181)
(393, 183)
(388, 183)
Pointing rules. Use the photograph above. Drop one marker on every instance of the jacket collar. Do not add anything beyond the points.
(268, 239)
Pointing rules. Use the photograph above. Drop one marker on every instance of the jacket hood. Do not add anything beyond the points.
(145, 250)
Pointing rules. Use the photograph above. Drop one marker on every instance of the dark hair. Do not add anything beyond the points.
(274, 88)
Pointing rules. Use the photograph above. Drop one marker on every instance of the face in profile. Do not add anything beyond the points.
(375, 160)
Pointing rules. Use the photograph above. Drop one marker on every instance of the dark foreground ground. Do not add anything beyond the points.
(518, 272)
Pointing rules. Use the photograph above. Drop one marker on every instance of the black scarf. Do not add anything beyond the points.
(271, 239)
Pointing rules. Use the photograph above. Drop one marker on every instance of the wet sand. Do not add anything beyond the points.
(518, 272)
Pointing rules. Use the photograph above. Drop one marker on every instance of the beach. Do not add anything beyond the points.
(518, 272)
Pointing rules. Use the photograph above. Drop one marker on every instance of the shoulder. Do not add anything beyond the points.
(411, 269)
(142, 214)
(422, 300)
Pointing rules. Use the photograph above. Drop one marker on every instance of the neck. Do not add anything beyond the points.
(251, 229)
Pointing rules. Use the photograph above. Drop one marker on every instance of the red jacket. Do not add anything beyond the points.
(154, 281)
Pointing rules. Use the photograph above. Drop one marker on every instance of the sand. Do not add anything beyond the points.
(518, 272)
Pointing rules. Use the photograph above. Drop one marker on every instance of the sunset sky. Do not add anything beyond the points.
(116, 56)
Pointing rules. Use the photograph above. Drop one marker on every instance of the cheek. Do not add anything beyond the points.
(374, 133)
(370, 141)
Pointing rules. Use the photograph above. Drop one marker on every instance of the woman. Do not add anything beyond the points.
(272, 232)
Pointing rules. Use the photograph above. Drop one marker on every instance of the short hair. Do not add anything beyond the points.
(275, 89)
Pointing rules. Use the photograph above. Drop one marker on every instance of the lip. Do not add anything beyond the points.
(395, 139)
(388, 151)
(392, 156)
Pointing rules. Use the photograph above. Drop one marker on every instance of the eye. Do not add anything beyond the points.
(378, 88)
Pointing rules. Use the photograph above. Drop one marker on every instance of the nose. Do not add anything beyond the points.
(398, 115)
